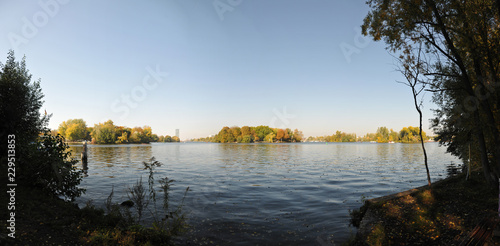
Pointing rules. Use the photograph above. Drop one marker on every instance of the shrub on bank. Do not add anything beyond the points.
(49, 165)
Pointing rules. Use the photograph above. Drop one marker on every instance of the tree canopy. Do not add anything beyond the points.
(74, 129)
(251, 135)
(39, 159)
(460, 65)
(109, 133)
(20, 104)
(254, 134)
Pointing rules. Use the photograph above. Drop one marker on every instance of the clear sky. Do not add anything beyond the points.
(199, 65)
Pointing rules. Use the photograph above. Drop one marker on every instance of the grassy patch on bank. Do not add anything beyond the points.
(443, 215)
(42, 219)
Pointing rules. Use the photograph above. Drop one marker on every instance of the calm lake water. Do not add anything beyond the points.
(265, 194)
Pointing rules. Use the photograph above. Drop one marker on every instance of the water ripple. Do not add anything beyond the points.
(296, 194)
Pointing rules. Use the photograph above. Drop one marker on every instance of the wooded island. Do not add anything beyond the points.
(251, 134)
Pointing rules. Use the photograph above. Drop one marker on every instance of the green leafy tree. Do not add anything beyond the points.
(297, 135)
(393, 136)
(73, 129)
(147, 134)
(453, 130)
(123, 134)
(123, 138)
(461, 52)
(141, 135)
(270, 138)
(382, 134)
(225, 135)
(246, 130)
(348, 137)
(41, 161)
(62, 128)
(236, 131)
(20, 105)
(136, 135)
(53, 168)
(104, 133)
(248, 134)
(369, 137)
(411, 135)
(262, 131)
(247, 139)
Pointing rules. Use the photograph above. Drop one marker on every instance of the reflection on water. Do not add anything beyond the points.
(266, 193)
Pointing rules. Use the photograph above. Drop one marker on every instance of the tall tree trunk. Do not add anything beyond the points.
(417, 106)
(484, 153)
(484, 104)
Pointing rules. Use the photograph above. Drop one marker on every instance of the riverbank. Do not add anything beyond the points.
(446, 214)
(41, 219)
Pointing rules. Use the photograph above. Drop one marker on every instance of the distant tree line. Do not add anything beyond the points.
(251, 134)
(108, 133)
(337, 137)
(247, 134)
(383, 135)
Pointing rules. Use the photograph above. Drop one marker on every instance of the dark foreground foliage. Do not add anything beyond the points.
(43, 219)
(49, 165)
(34, 158)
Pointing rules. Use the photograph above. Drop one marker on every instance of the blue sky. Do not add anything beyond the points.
(199, 65)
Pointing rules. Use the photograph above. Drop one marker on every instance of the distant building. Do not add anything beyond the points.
(177, 133)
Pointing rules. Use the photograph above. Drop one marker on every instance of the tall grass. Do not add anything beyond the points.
(169, 221)
(172, 222)
(137, 194)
